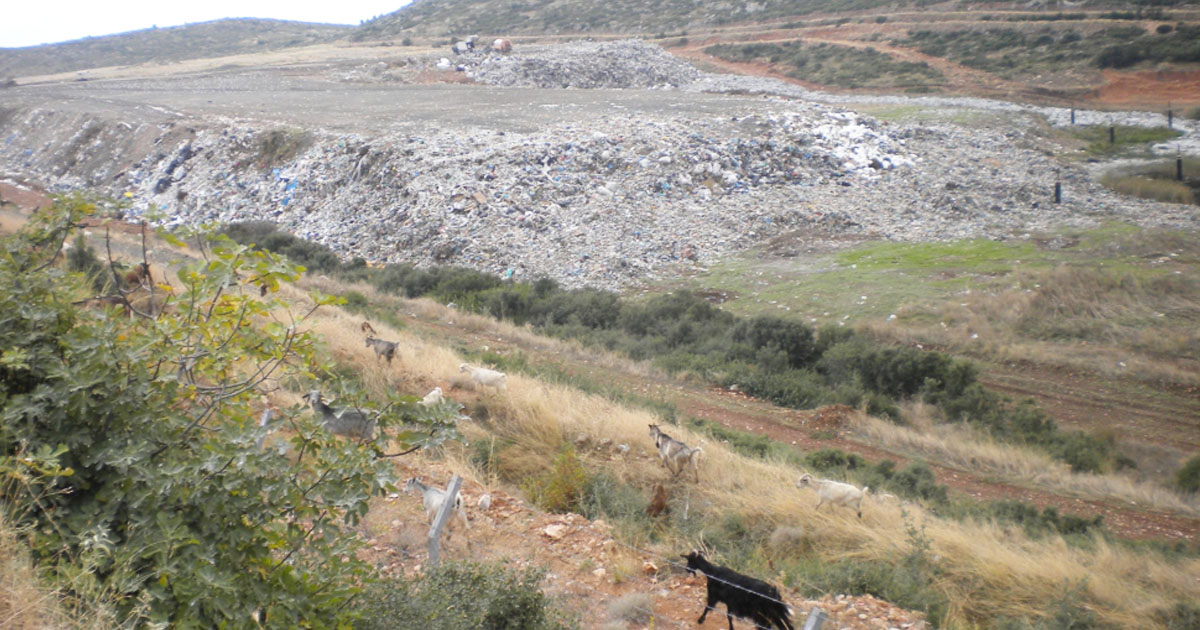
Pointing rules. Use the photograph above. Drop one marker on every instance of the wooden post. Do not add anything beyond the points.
(1112, 134)
(815, 618)
(1179, 168)
(1057, 192)
(1072, 115)
(435, 531)
(1170, 116)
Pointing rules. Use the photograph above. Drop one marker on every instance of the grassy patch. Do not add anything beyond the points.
(1156, 181)
(1120, 139)
(1150, 188)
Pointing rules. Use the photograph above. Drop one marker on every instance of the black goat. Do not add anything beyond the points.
(743, 596)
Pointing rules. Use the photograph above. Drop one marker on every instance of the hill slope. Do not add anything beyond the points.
(159, 45)
(449, 17)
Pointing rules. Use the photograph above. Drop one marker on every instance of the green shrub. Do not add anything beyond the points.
(355, 301)
(564, 487)
(142, 482)
(1182, 616)
(81, 258)
(1188, 477)
(609, 498)
(456, 595)
(832, 459)
(267, 236)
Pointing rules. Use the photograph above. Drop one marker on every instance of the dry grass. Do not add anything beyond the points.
(1076, 317)
(1154, 188)
(959, 446)
(26, 604)
(985, 569)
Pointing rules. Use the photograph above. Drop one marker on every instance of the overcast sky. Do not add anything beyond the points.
(33, 22)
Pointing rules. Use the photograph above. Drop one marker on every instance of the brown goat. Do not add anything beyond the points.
(107, 301)
(658, 504)
(138, 276)
(368, 329)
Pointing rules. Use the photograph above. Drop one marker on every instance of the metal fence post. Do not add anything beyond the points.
(435, 531)
(815, 618)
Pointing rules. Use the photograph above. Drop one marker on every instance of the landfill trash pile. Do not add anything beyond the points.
(627, 63)
(1189, 143)
(616, 201)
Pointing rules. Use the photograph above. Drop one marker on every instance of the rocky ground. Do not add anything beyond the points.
(590, 186)
(614, 584)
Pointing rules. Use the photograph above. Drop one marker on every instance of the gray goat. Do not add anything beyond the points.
(675, 455)
(350, 423)
(383, 349)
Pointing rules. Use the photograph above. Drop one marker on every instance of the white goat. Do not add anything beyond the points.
(484, 376)
(834, 492)
(433, 497)
(676, 455)
(434, 397)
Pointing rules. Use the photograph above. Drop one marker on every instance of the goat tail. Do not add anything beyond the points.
(866, 489)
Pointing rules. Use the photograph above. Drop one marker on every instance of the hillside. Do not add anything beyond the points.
(961, 559)
(165, 45)
(1028, 51)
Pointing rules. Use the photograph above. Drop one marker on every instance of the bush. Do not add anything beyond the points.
(563, 488)
(456, 595)
(141, 482)
(1182, 616)
(634, 608)
(1188, 477)
(267, 236)
(831, 459)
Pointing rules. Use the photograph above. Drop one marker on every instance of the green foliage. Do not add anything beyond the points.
(128, 448)
(747, 443)
(831, 64)
(1182, 616)
(1037, 523)
(1181, 46)
(456, 595)
(1018, 52)
(617, 502)
(1188, 477)
(267, 236)
(564, 487)
(81, 258)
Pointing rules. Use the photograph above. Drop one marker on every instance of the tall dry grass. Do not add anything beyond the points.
(28, 604)
(962, 447)
(984, 570)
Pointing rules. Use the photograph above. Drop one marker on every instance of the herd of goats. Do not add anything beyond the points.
(744, 597)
